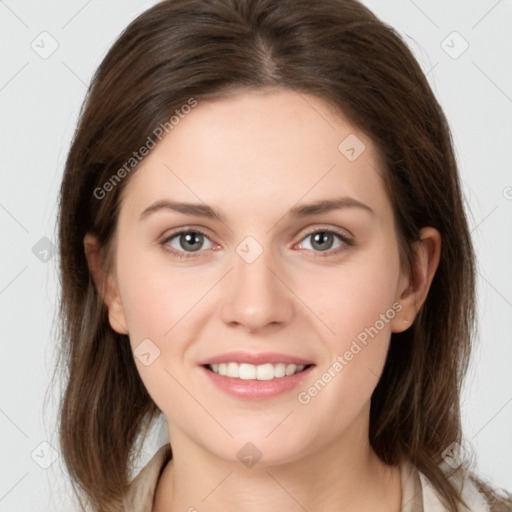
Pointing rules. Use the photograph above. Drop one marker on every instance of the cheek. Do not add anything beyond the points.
(156, 313)
(357, 302)
(161, 307)
(355, 296)
(156, 300)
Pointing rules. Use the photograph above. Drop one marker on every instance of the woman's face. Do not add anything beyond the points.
(217, 263)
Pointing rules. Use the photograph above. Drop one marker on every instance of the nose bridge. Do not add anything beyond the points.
(254, 296)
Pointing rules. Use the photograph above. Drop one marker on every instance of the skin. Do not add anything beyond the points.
(253, 156)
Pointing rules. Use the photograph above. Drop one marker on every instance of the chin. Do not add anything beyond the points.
(259, 449)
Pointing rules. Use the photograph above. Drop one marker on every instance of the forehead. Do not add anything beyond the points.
(259, 148)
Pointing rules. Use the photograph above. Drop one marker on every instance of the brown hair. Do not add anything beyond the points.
(334, 49)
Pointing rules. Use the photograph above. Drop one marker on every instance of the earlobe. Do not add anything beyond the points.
(105, 284)
(116, 317)
(414, 288)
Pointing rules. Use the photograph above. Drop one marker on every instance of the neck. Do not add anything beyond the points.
(343, 476)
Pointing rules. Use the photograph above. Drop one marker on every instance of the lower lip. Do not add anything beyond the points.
(256, 389)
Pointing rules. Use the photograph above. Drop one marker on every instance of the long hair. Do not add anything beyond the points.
(340, 52)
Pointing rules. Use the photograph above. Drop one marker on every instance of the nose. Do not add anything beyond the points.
(256, 295)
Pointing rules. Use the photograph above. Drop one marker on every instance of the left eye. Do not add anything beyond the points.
(323, 240)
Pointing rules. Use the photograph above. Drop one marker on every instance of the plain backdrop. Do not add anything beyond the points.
(49, 51)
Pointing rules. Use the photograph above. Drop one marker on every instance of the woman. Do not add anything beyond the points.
(262, 238)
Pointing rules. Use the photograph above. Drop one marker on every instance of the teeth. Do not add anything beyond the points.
(232, 370)
(280, 370)
(247, 371)
(290, 369)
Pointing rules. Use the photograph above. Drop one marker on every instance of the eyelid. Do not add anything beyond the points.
(184, 229)
(342, 232)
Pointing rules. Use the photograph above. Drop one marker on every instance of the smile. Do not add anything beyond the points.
(255, 376)
(246, 371)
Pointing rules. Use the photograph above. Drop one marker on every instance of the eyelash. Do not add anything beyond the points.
(347, 242)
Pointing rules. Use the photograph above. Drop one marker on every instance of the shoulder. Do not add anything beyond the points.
(419, 495)
(141, 491)
(499, 501)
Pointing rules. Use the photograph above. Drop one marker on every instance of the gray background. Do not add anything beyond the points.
(40, 97)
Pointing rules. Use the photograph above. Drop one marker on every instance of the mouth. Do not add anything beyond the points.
(251, 376)
(247, 371)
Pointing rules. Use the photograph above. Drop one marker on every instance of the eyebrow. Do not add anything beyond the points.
(306, 210)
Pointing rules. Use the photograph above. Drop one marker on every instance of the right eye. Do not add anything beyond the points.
(184, 243)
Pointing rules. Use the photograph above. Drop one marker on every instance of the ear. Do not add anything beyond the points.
(413, 288)
(106, 284)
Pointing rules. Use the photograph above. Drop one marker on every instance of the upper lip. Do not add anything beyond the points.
(255, 359)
